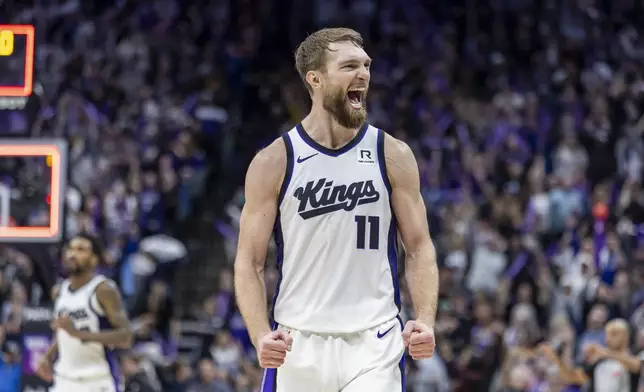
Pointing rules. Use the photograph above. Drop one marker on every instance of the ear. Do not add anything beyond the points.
(314, 79)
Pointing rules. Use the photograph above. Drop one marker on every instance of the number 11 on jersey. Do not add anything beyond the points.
(374, 231)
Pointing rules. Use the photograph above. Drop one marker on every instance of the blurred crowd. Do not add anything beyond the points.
(526, 118)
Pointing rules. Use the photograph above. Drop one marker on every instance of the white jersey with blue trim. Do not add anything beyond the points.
(78, 360)
(336, 236)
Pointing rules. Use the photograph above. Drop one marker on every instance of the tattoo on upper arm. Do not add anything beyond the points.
(112, 303)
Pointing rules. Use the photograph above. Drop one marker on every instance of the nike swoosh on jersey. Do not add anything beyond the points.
(382, 335)
(300, 159)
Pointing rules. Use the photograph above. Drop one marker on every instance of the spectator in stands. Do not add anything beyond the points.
(177, 377)
(226, 353)
(136, 380)
(10, 366)
(210, 379)
(156, 310)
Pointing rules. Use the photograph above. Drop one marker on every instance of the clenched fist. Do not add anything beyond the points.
(272, 348)
(419, 339)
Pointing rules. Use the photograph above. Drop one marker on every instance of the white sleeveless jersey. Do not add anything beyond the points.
(335, 236)
(79, 360)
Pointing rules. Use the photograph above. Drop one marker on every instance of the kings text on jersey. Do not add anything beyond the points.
(320, 197)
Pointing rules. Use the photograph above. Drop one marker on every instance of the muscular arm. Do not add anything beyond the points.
(567, 374)
(44, 369)
(120, 336)
(52, 352)
(631, 362)
(263, 181)
(409, 209)
(53, 348)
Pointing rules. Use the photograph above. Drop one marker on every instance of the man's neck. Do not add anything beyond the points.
(325, 130)
(78, 281)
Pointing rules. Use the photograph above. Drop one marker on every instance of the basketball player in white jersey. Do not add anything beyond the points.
(90, 323)
(337, 192)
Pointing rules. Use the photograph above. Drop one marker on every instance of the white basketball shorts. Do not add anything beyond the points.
(372, 360)
(106, 384)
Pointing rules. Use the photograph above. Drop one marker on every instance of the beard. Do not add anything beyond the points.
(77, 269)
(337, 103)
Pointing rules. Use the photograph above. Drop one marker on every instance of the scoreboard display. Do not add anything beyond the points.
(16, 60)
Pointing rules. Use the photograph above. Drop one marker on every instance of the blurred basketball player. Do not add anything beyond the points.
(90, 323)
(607, 369)
(337, 191)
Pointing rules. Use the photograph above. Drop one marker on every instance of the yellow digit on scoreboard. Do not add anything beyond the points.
(6, 43)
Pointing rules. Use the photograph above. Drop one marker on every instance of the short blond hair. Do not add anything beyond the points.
(310, 55)
(619, 324)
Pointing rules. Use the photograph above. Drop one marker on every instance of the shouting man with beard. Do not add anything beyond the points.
(90, 323)
(335, 191)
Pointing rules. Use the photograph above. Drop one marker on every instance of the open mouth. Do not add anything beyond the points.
(355, 98)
